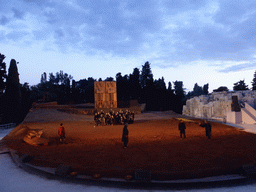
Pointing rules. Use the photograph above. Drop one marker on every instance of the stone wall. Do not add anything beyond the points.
(217, 105)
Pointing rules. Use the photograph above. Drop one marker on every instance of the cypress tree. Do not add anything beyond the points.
(2, 73)
(3, 77)
(254, 81)
(12, 96)
(147, 84)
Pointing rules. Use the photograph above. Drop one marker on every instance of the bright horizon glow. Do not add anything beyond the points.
(194, 42)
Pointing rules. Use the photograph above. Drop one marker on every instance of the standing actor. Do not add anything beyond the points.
(182, 128)
(208, 128)
(125, 135)
(61, 133)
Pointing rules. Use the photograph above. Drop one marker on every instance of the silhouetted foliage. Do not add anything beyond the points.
(146, 75)
(122, 84)
(254, 81)
(134, 84)
(43, 78)
(85, 90)
(198, 90)
(147, 84)
(12, 96)
(160, 95)
(179, 99)
(57, 88)
(3, 75)
(240, 85)
(205, 89)
(220, 89)
(178, 89)
(26, 101)
(109, 79)
(138, 85)
(170, 97)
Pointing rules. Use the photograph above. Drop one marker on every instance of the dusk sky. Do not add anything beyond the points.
(194, 41)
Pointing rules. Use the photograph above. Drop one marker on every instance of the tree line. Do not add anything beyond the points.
(16, 99)
(139, 85)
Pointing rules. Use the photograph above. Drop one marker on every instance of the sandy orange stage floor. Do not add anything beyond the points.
(154, 145)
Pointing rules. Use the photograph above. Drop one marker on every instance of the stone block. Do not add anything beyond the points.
(235, 105)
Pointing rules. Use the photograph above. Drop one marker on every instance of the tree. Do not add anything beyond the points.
(62, 78)
(170, 87)
(197, 90)
(160, 84)
(159, 97)
(43, 78)
(147, 85)
(220, 89)
(122, 85)
(26, 100)
(146, 75)
(84, 90)
(12, 96)
(254, 81)
(109, 79)
(178, 89)
(205, 89)
(52, 78)
(179, 99)
(3, 75)
(240, 85)
(170, 97)
(134, 84)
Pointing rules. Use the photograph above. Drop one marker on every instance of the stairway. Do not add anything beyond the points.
(248, 114)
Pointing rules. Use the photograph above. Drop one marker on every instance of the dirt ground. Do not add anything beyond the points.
(154, 145)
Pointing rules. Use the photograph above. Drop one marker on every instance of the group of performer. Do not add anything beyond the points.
(112, 118)
(126, 117)
(205, 124)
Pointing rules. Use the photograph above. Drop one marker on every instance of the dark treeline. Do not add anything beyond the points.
(16, 99)
(139, 85)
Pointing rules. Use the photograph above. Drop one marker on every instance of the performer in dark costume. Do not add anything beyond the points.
(182, 128)
(208, 128)
(125, 135)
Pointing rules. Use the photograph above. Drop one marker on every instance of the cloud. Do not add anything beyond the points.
(4, 20)
(177, 6)
(236, 68)
(18, 14)
(232, 12)
(17, 35)
(169, 33)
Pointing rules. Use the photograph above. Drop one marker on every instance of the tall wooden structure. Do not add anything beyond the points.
(105, 94)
